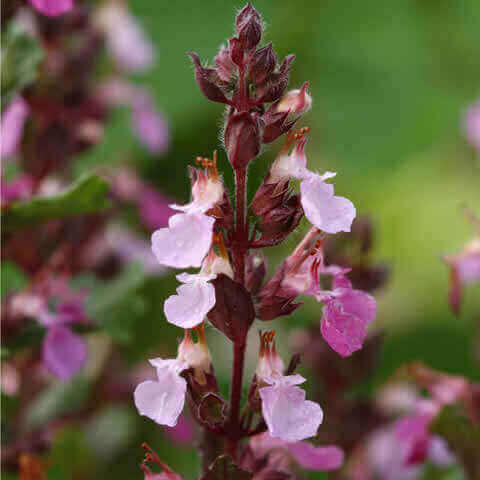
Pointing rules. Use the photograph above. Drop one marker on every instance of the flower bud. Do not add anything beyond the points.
(295, 101)
(262, 64)
(236, 51)
(196, 355)
(275, 124)
(249, 27)
(275, 85)
(281, 221)
(268, 197)
(205, 78)
(242, 139)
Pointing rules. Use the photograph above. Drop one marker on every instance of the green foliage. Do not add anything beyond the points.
(12, 278)
(20, 58)
(87, 195)
(462, 436)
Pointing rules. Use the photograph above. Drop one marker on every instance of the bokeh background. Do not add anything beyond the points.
(390, 81)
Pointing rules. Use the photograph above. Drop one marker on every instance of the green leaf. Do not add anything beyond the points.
(116, 305)
(12, 278)
(61, 398)
(223, 467)
(87, 195)
(462, 436)
(20, 58)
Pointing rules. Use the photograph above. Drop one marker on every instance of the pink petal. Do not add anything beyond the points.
(344, 332)
(185, 242)
(288, 415)
(162, 401)
(63, 352)
(154, 209)
(316, 458)
(189, 307)
(183, 432)
(52, 8)
(471, 124)
(327, 212)
(12, 122)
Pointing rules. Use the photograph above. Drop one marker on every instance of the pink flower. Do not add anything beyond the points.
(185, 242)
(11, 125)
(162, 400)
(149, 125)
(345, 316)
(286, 412)
(322, 208)
(52, 8)
(18, 189)
(471, 125)
(306, 455)
(125, 38)
(465, 270)
(295, 101)
(153, 208)
(183, 432)
(196, 297)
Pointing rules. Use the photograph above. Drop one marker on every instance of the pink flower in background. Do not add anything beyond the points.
(345, 316)
(163, 399)
(154, 208)
(149, 125)
(125, 38)
(464, 270)
(18, 189)
(286, 412)
(185, 242)
(183, 432)
(471, 124)
(52, 8)
(304, 454)
(11, 126)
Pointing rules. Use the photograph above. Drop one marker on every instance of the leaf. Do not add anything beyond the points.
(462, 436)
(20, 58)
(12, 278)
(115, 305)
(87, 195)
(233, 312)
(223, 468)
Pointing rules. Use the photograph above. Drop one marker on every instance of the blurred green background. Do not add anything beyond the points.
(390, 82)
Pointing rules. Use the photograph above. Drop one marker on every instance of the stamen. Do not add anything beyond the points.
(210, 165)
(220, 242)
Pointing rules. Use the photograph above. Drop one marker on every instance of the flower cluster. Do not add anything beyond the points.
(224, 240)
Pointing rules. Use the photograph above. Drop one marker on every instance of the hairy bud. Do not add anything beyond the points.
(205, 78)
(275, 124)
(242, 139)
(225, 66)
(262, 64)
(279, 222)
(268, 197)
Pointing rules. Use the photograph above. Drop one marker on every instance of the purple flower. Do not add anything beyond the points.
(18, 189)
(162, 400)
(471, 125)
(196, 297)
(345, 316)
(306, 455)
(52, 8)
(149, 125)
(185, 242)
(11, 125)
(154, 209)
(125, 39)
(465, 270)
(322, 208)
(63, 352)
(286, 412)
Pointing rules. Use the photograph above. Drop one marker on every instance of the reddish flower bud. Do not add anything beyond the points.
(245, 14)
(233, 312)
(276, 124)
(225, 67)
(295, 101)
(250, 33)
(242, 139)
(205, 78)
(262, 64)
(279, 222)
(269, 196)
(256, 269)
